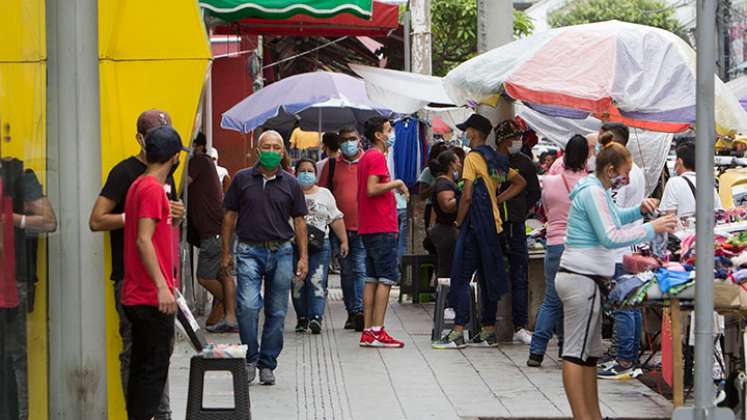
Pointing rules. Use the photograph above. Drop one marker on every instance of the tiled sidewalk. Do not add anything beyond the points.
(328, 376)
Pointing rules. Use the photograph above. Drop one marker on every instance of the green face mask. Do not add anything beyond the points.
(270, 160)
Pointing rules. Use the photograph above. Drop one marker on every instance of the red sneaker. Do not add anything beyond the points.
(383, 339)
(367, 339)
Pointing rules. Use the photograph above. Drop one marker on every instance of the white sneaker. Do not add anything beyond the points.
(523, 336)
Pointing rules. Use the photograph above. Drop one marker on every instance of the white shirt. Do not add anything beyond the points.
(631, 195)
(678, 196)
(222, 173)
(322, 209)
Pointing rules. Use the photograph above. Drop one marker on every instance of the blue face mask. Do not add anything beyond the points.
(597, 148)
(349, 148)
(306, 179)
(391, 139)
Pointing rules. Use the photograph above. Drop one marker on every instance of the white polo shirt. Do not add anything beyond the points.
(678, 196)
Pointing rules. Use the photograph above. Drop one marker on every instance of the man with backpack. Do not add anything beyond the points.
(679, 193)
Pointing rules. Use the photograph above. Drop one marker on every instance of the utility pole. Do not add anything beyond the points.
(495, 22)
(420, 20)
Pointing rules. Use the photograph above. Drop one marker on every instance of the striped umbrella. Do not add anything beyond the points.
(232, 10)
(616, 71)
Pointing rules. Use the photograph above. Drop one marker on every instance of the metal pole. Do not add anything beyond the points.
(77, 358)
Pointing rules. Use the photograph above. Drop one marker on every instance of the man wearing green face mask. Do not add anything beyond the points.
(259, 203)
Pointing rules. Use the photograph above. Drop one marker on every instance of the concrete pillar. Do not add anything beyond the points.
(77, 335)
(420, 14)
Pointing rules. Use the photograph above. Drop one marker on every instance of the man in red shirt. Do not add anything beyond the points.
(377, 225)
(148, 290)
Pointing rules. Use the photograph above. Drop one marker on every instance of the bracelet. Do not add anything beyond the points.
(23, 222)
(123, 218)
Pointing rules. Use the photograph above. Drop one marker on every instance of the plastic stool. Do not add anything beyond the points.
(241, 408)
(439, 323)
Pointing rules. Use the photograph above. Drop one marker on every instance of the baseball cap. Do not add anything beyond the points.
(161, 143)
(213, 153)
(151, 119)
(507, 129)
(478, 122)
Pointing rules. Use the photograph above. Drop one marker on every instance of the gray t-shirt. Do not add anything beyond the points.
(322, 209)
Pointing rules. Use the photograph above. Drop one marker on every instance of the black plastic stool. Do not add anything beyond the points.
(241, 408)
(439, 323)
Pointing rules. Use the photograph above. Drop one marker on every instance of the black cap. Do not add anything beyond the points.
(508, 129)
(478, 122)
(161, 143)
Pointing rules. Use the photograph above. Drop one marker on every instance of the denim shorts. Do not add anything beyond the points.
(381, 258)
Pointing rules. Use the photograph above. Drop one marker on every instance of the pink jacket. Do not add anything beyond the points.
(556, 201)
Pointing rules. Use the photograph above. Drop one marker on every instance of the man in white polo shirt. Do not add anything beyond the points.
(679, 193)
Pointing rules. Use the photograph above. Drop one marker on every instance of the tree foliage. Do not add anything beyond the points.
(654, 13)
(454, 27)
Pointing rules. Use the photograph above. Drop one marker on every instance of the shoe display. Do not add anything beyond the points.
(302, 325)
(349, 323)
(535, 360)
(383, 339)
(367, 338)
(523, 336)
(266, 377)
(358, 321)
(452, 340)
(619, 372)
(315, 325)
(484, 339)
(251, 371)
(223, 327)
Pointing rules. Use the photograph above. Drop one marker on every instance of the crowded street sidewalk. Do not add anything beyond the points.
(328, 376)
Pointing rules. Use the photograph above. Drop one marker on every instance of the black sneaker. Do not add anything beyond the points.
(535, 360)
(452, 340)
(302, 325)
(485, 339)
(315, 325)
(358, 321)
(349, 323)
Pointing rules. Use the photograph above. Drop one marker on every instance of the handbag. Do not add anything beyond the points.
(316, 236)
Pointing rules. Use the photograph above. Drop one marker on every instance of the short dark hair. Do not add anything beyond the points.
(347, 130)
(200, 140)
(686, 152)
(459, 152)
(436, 150)
(375, 125)
(440, 164)
(619, 131)
(301, 161)
(331, 141)
(576, 153)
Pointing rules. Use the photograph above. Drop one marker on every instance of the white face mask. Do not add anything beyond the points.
(515, 146)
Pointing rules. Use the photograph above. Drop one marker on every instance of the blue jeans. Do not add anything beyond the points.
(352, 272)
(550, 316)
(381, 258)
(276, 268)
(402, 241)
(515, 235)
(310, 294)
(459, 290)
(628, 328)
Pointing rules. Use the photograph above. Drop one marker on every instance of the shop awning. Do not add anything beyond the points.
(383, 19)
(233, 10)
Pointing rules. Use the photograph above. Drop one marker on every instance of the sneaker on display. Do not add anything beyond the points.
(523, 336)
(452, 340)
(619, 372)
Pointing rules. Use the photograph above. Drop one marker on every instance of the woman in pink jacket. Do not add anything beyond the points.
(556, 202)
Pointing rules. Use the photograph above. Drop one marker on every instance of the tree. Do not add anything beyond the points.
(454, 27)
(645, 12)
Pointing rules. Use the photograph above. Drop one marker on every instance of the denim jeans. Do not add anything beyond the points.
(459, 290)
(310, 294)
(253, 264)
(14, 359)
(515, 235)
(550, 316)
(402, 241)
(352, 272)
(628, 329)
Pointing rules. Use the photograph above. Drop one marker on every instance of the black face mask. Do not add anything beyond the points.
(173, 168)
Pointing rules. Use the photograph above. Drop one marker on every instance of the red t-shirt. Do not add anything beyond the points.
(345, 189)
(146, 199)
(375, 214)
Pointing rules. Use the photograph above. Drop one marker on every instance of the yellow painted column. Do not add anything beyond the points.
(151, 55)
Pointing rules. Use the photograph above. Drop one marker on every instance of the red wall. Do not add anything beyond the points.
(231, 82)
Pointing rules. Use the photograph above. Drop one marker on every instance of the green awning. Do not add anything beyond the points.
(233, 10)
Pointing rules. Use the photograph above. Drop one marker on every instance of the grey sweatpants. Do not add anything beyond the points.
(582, 316)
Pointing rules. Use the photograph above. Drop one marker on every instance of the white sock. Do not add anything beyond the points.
(376, 329)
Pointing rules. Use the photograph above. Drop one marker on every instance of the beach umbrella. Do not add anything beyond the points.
(233, 10)
(321, 101)
(617, 71)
